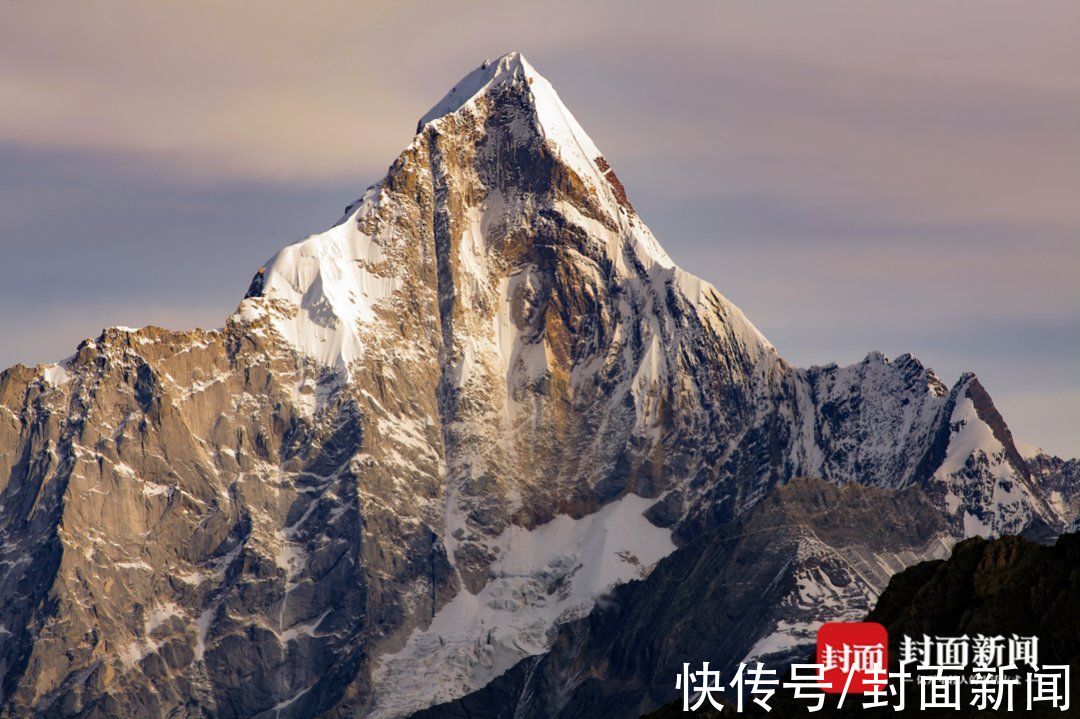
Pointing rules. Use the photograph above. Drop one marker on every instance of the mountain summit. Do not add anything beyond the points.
(339, 277)
(433, 436)
(513, 72)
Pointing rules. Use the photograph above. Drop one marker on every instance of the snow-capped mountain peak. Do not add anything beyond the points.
(507, 69)
(556, 123)
(506, 132)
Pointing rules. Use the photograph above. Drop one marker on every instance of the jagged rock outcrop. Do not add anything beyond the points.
(428, 437)
(1059, 480)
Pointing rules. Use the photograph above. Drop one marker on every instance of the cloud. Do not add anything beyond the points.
(896, 176)
(1055, 414)
(49, 334)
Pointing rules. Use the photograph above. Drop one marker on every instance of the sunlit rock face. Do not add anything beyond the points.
(428, 438)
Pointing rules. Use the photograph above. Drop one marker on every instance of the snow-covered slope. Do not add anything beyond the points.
(542, 578)
(323, 294)
(983, 480)
(757, 587)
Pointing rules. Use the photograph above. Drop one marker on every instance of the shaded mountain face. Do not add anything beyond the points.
(1002, 587)
(429, 437)
(754, 588)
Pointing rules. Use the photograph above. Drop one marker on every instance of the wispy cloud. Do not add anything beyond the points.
(855, 175)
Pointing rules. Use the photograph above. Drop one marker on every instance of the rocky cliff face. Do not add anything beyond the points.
(427, 438)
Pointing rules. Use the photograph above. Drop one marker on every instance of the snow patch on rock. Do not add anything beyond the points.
(542, 578)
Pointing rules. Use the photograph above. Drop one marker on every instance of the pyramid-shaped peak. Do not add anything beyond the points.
(490, 74)
(556, 124)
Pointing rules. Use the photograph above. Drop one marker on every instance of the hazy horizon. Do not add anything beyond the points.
(854, 177)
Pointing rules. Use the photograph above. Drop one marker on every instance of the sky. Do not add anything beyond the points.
(857, 176)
